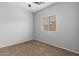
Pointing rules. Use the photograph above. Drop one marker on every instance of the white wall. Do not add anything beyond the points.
(15, 24)
(66, 34)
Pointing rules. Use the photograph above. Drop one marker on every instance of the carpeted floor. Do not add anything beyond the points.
(34, 48)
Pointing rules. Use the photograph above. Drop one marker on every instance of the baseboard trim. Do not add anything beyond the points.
(14, 43)
(58, 46)
(45, 42)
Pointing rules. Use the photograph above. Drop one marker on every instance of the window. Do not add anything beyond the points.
(49, 23)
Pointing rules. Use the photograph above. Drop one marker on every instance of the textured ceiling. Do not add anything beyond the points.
(34, 7)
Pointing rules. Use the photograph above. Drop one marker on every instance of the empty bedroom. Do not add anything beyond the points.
(39, 29)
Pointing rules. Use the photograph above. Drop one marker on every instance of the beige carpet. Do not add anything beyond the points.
(34, 48)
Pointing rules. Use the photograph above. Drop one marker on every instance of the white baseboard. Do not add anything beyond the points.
(13, 43)
(59, 46)
(40, 41)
